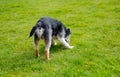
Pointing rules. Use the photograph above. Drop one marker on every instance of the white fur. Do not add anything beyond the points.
(67, 38)
(39, 32)
(62, 40)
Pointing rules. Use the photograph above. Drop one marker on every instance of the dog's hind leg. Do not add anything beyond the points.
(48, 41)
(36, 42)
(62, 40)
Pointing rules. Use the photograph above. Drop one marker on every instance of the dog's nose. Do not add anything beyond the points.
(67, 41)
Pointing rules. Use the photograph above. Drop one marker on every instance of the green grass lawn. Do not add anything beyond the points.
(95, 26)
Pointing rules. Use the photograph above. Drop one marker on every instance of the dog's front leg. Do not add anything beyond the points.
(62, 40)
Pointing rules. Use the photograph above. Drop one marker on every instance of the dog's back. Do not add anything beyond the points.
(48, 24)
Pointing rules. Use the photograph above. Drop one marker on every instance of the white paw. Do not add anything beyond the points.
(55, 43)
(71, 47)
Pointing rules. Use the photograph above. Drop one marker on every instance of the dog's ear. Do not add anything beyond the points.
(68, 30)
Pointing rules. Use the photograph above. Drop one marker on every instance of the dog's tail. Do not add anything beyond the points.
(34, 28)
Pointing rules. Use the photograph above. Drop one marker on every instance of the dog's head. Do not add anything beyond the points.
(67, 35)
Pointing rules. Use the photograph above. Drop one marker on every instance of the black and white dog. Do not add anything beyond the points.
(48, 28)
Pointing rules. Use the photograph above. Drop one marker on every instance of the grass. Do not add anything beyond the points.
(95, 35)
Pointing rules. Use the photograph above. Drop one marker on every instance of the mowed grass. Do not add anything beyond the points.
(95, 26)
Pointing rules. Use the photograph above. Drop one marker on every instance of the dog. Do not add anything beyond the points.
(47, 28)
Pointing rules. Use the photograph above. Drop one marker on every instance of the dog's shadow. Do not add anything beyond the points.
(57, 48)
(53, 49)
(31, 54)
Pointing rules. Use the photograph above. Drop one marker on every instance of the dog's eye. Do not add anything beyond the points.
(39, 27)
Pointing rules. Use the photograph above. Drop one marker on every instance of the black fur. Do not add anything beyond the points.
(68, 32)
(38, 25)
(32, 31)
(50, 24)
